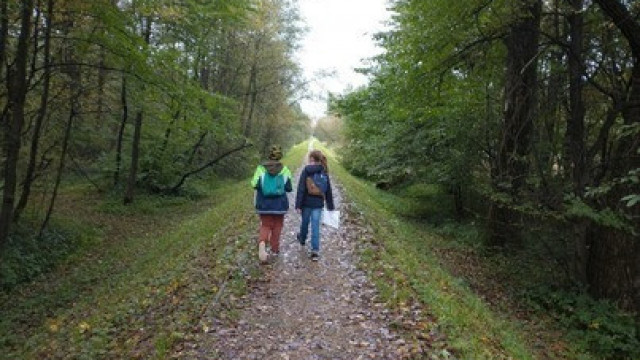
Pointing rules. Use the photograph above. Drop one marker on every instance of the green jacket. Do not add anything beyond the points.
(278, 205)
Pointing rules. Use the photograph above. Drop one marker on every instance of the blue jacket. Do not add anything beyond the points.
(306, 200)
(278, 205)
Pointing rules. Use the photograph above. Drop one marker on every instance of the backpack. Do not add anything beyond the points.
(272, 185)
(317, 184)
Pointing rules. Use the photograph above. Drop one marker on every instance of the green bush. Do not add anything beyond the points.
(595, 325)
(26, 255)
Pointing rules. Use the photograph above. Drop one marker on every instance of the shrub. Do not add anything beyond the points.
(27, 255)
(596, 325)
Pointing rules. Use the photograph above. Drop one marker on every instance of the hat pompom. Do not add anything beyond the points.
(275, 153)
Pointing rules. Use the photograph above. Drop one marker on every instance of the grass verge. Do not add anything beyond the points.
(140, 296)
(404, 269)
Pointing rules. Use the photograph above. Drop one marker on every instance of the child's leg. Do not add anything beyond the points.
(315, 229)
(276, 230)
(263, 237)
(265, 228)
(304, 225)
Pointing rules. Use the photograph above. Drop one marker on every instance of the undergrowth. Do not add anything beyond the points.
(417, 223)
(595, 328)
(406, 270)
(141, 294)
(28, 254)
(596, 325)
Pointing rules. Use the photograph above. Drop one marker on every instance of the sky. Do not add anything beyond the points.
(339, 39)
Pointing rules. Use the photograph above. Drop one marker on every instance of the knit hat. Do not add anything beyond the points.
(275, 153)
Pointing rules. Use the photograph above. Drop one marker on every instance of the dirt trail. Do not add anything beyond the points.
(301, 309)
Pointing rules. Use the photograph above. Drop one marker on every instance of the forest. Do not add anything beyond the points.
(136, 96)
(496, 141)
(528, 114)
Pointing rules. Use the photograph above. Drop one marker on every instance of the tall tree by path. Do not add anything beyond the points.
(615, 253)
(510, 168)
(42, 112)
(17, 91)
(575, 147)
(137, 132)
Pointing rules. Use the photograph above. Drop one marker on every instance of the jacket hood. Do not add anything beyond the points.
(312, 169)
(273, 167)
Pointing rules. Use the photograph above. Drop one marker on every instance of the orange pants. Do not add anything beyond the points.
(270, 229)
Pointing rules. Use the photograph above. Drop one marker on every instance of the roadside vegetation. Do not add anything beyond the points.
(511, 129)
(143, 279)
(489, 305)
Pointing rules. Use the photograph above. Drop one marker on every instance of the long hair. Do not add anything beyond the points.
(318, 156)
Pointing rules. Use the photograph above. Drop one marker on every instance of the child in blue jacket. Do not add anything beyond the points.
(272, 182)
(309, 205)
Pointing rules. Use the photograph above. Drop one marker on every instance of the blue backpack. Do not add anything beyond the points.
(272, 185)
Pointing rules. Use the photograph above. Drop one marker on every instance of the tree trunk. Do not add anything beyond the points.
(73, 112)
(458, 201)
(253, 94)
(137, 134)
(613, 266)
(35, 35)
(253, 88)
(615, 273)
(510, 168)
(614, 270)
(196, 147)
(210, 163)
(575, 149)
(44, 103)
(17, 91)
(102, 75)
(167, 132)
(552, 108)
(4, 33)
(123, 124)
(135, 155)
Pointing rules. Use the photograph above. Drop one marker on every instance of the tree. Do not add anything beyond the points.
(510, 167)
(473, 98)
(17, 85)
(610, 244)
(101, 84)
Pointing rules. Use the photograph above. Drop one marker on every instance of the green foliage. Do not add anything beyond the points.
(595, 325)
(427, 114)
(330, 130)
(184, 68)
(26, 256)
(403, 266)
(577, 208)
(435, 112)
(140, 292)
(633, 180)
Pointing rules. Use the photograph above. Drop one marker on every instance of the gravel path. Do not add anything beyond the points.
(302, 309)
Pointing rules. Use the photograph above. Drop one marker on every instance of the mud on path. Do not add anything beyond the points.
(300, 309)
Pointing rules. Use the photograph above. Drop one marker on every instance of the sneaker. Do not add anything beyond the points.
(262, 252)
(302, 242)
(314, 256)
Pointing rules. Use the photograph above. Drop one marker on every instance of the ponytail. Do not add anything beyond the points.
(323, 161)
(319, 157)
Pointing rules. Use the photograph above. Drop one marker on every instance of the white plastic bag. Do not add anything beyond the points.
(331, 218)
